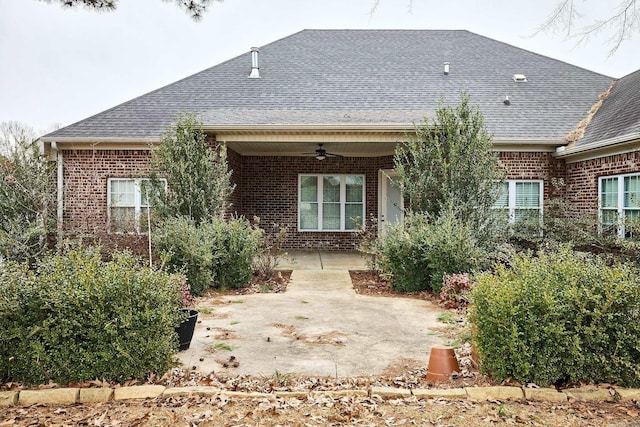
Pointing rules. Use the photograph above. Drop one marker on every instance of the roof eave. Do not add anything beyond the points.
(599, 148)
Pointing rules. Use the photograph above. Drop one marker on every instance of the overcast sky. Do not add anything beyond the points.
(60, 65)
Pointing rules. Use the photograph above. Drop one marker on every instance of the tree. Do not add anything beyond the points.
(449, 164)
(623, 21)
(195, 8)
(196, 173)
(26, 194)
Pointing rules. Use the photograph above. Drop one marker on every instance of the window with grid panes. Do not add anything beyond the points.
(521, 200)
(330, 202)
(128, 204)
(619, 203)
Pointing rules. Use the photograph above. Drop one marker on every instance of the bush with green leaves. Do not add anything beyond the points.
(561, 317)
(450, 161)
(216, 252)
(76, 318)
(196, 172)
(418, 252)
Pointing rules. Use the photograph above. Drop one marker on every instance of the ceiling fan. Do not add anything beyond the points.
(321, 153)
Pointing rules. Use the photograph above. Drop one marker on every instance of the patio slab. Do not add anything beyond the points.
(322, 260)
(320, 326)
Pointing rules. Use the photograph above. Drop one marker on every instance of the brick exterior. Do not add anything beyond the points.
(85, 184)
(582, 179)
(267, 187)
(532, 165)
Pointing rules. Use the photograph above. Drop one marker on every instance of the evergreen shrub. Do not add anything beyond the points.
(561, 317)
(77, 318)
(417, 253)
(216, 252)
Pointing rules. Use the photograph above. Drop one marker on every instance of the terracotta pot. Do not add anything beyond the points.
(442, 363)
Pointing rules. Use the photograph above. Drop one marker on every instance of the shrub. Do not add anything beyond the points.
(182, 246)
(77, 318)
(236, 247)
(419, 252)
(456, 289)
(561, 317)
(215, 252)
(270, 251)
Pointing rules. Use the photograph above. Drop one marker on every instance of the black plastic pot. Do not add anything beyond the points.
(186, 328)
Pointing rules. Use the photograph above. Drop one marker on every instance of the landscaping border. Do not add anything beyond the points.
(67, 396)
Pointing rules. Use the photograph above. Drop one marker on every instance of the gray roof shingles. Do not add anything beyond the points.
(366, 77)
(619, 115)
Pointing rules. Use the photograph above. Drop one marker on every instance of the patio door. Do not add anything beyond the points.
(390, 202)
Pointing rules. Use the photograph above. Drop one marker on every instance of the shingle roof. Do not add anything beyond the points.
(619, 114)
(366, 76)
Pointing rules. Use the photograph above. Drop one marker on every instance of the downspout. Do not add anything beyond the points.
(60, 190)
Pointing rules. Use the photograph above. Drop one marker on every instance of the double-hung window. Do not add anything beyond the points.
(128, 204)
(330, 202)
(619, 203)
(521, 200)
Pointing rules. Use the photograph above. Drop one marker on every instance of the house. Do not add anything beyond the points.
(282, 110)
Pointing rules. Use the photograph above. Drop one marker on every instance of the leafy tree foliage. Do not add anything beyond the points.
(195, 8)
(449, 163)
(197, 173)
(26, 194)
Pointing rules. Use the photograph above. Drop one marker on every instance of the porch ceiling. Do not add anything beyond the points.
(346, 149)
(347, 144)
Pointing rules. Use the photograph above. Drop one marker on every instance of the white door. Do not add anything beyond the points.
(390, 202)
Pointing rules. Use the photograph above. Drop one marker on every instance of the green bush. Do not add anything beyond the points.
(562, 317)
(214, 253)
(418, 253)
(77, 318)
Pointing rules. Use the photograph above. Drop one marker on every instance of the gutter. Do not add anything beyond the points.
(563, 151)
(100, 140)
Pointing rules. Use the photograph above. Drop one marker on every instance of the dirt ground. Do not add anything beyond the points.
(322, 410)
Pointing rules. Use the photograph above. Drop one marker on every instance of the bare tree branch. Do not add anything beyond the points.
(624, 23)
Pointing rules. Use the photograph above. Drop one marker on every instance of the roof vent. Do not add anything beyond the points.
(255, 67)
(519, 78)
(446, 68)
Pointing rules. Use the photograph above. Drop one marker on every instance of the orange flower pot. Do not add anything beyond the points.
(442, 363)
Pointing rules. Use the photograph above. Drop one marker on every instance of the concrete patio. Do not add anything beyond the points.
(319, 326)
(322, 260)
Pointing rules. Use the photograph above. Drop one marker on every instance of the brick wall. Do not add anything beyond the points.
(85, 184)
(269, 190)
(526, 165)
(582, 179)
(267, 186)
(234, 161)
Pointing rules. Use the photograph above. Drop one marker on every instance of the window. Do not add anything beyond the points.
(128, 204)
(330, 202)
(521, 200)
(619, 203)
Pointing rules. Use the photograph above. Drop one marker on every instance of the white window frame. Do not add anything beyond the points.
(620, 208)
(511, 198)
(343, 201)
(137, 203)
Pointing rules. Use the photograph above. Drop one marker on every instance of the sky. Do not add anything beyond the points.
(59, 66)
